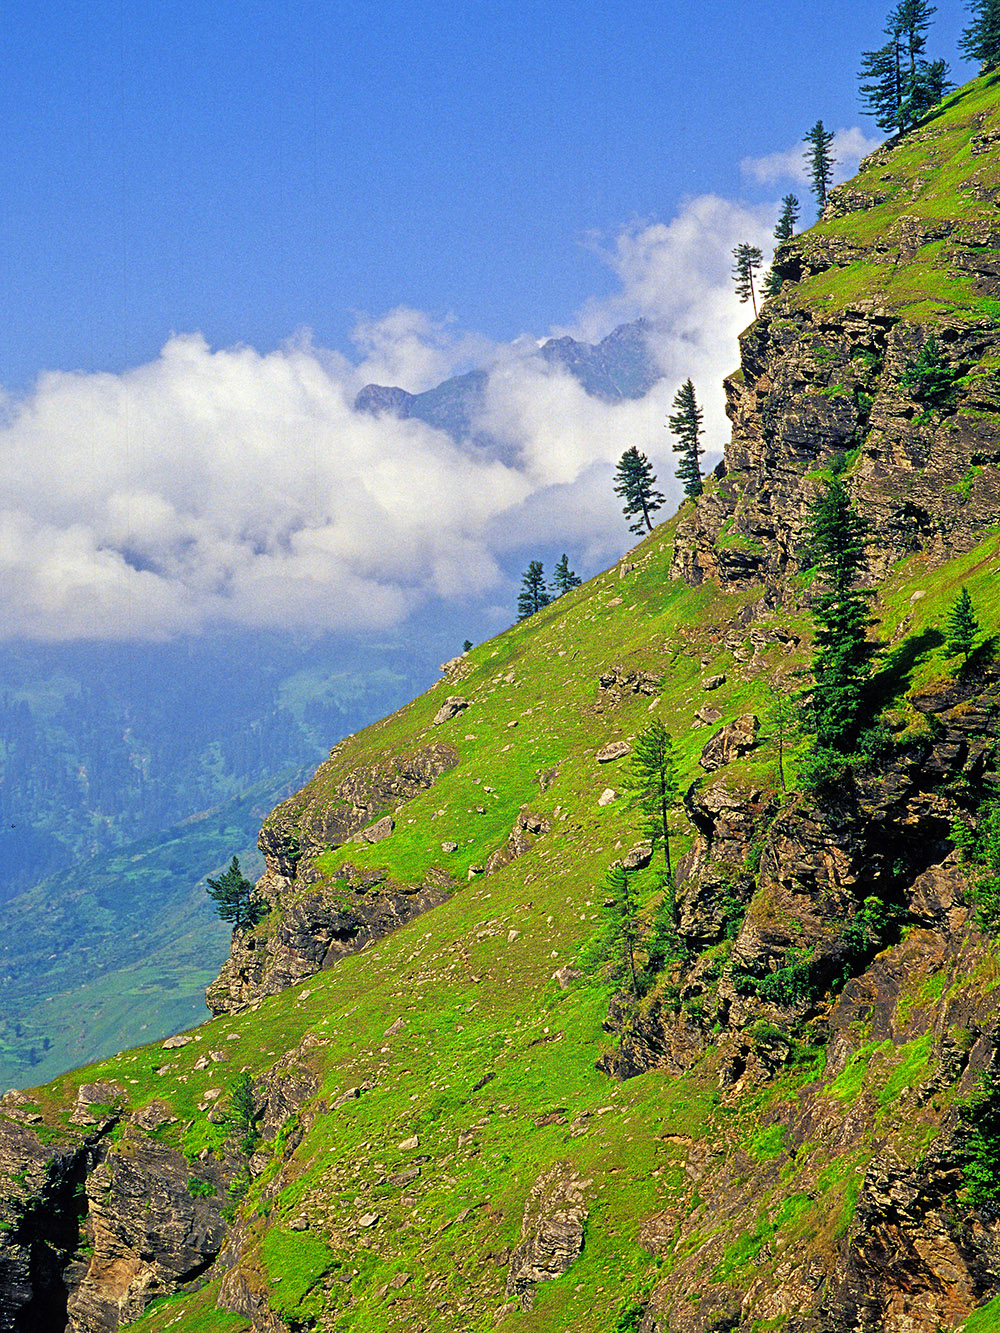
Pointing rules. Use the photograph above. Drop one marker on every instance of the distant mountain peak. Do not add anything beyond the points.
(617, 368)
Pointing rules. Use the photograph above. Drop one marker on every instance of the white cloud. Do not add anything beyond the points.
(212, 487)
(409, 349)
(848, 148)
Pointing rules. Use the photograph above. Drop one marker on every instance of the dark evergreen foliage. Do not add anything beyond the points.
(635, 482)
(820, 161)
(235, 899)
(981, 39)
(652, 785)
(534, 594)
(881, 87)
(841, 661)
(686, 425)
(243, 1113)
(928, 378)
(783, 231)
(563, 578)
(961, 627)
(747, 260)
(897, 84)
(980, 1120)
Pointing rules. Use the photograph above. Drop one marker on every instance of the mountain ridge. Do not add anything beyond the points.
(618, 367)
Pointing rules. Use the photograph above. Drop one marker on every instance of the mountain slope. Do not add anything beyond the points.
(463, 1123)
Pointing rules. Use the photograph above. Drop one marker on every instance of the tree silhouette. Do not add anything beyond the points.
(636, 484)
(652, 785)
(820, 161)
(534, 594)
(686, 425)
(747, 260)
(981, 39)
(235, 898)
(961, 626)
(841, 661)
(563, 578)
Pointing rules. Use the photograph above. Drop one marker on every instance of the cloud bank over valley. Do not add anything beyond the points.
(234, 487)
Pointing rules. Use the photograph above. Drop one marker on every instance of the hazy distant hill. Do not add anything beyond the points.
(620, 366)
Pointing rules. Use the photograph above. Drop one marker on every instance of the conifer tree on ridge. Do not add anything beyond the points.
(747, 260)
(820, 161)
(636, 484)
(564, 578)
(686, 425)
(981, 39)
(534, 594)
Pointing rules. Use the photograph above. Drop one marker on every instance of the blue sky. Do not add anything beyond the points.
(219, 220)
(247, 169)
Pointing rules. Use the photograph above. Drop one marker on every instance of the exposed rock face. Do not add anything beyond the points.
(314, 920)
(316, 928)
(734, 739)
(148, 1233)
(814, 386)
(618, 681)
(551, 1232)
(451, 707)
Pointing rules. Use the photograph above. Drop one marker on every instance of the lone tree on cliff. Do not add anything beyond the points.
(783, 231)
(563, 578)
(820, 161)
(785, 228)
(841, 661)
(747, 260)
(981, 39)
(636, 484)
(235, 898)
(534, 594)
(686, 425)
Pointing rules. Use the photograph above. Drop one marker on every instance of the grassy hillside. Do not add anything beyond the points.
(492, 1063)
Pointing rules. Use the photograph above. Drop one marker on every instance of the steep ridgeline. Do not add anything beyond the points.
(428, 1101)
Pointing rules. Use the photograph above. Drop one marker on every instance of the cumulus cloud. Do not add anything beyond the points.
(848, 148)
(229, 486)
(408, 348)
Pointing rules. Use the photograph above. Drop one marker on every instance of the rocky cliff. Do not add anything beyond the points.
(422, 1103)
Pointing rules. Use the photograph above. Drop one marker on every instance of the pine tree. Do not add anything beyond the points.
(961, 627)
(652, 785)
(686, 425)
(841, 661)
(925, 88)
(820, 160)
(618, 932)
(534, 594)
(243, 1114)
(636, 484)
(981, 39)
(898, 85)
(783, 715)
(235, 898)
(881, 85)
(785, 229)
(747, 260)
(929, 379)
(563, 577)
